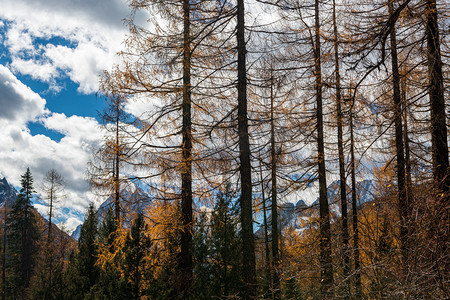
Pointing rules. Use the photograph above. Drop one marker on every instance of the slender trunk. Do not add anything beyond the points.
(225, 257)
(437, 102)
(4, 252)
(401, 179)
(248, 242)
(325, 231)
(358, 287)
(186, 167)
(137, 274)
(275, 230)
(50, 214)
(406, 143)
(342, 179)
(116, 170)
(49, 236)
(266, 235)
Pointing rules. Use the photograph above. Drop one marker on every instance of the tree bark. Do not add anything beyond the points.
(325, 230)
(4, 251)
(186, 166)
(248, 243)
(275, 230)
(408, 171)
(343, 184)
(266, 235)
(400, 153)
(437, 101)
(358, 286)
(116, 168)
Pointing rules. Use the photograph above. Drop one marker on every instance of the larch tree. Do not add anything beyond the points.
(53, 192)
(437, 100)
(106, 168)
(168, 62)
(52, 189)
(246, 201)
(341, 157)
(325, 228)
(399, 145)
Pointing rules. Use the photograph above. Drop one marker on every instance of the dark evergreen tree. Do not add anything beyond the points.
(110, 284)
(23, 236)
(225, 246)
(88, 247)
(201, 250)
(137, 247)
(46, 287)
(75, 284)
(216, 250)
(82, 272)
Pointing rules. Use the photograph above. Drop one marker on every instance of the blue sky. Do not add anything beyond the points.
(52, 53)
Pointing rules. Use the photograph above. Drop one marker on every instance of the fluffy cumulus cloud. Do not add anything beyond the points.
(20, 149)
(55, 39)
(18, 102)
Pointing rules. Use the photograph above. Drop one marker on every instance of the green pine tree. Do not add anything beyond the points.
(217, 251)
(110, 285)
(82, 273)
(23, 240)
(227, 246)
(137, 248)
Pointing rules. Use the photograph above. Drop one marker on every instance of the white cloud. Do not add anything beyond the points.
(83, 64)
(52, 41)
(17, 101)
(37, 69)
(20, 149)
(57, 39)
(71, 224)
(74, 127)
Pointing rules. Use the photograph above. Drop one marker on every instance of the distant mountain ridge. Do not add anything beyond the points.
(292, 215)
(8, 195)
(131, 202)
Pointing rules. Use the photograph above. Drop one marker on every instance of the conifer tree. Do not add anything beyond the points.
(110, 283)
(325, 230)
(82, 272)
(248, 240)
(225, 245)
(23, 237)
(437, 100)
(137, 249)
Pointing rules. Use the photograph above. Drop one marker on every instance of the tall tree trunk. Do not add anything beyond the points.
(248, 242)
(325, 231)
(404, 101)
(275, 230)
(186, 167)
(358, 287)
(49, 238)
(266, 235)
(343, 183)
(401, 179)
(437, 101)
(4, 251)
(116, 168)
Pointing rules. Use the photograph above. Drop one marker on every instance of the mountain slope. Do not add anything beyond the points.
(131, 202)
(8, 195)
